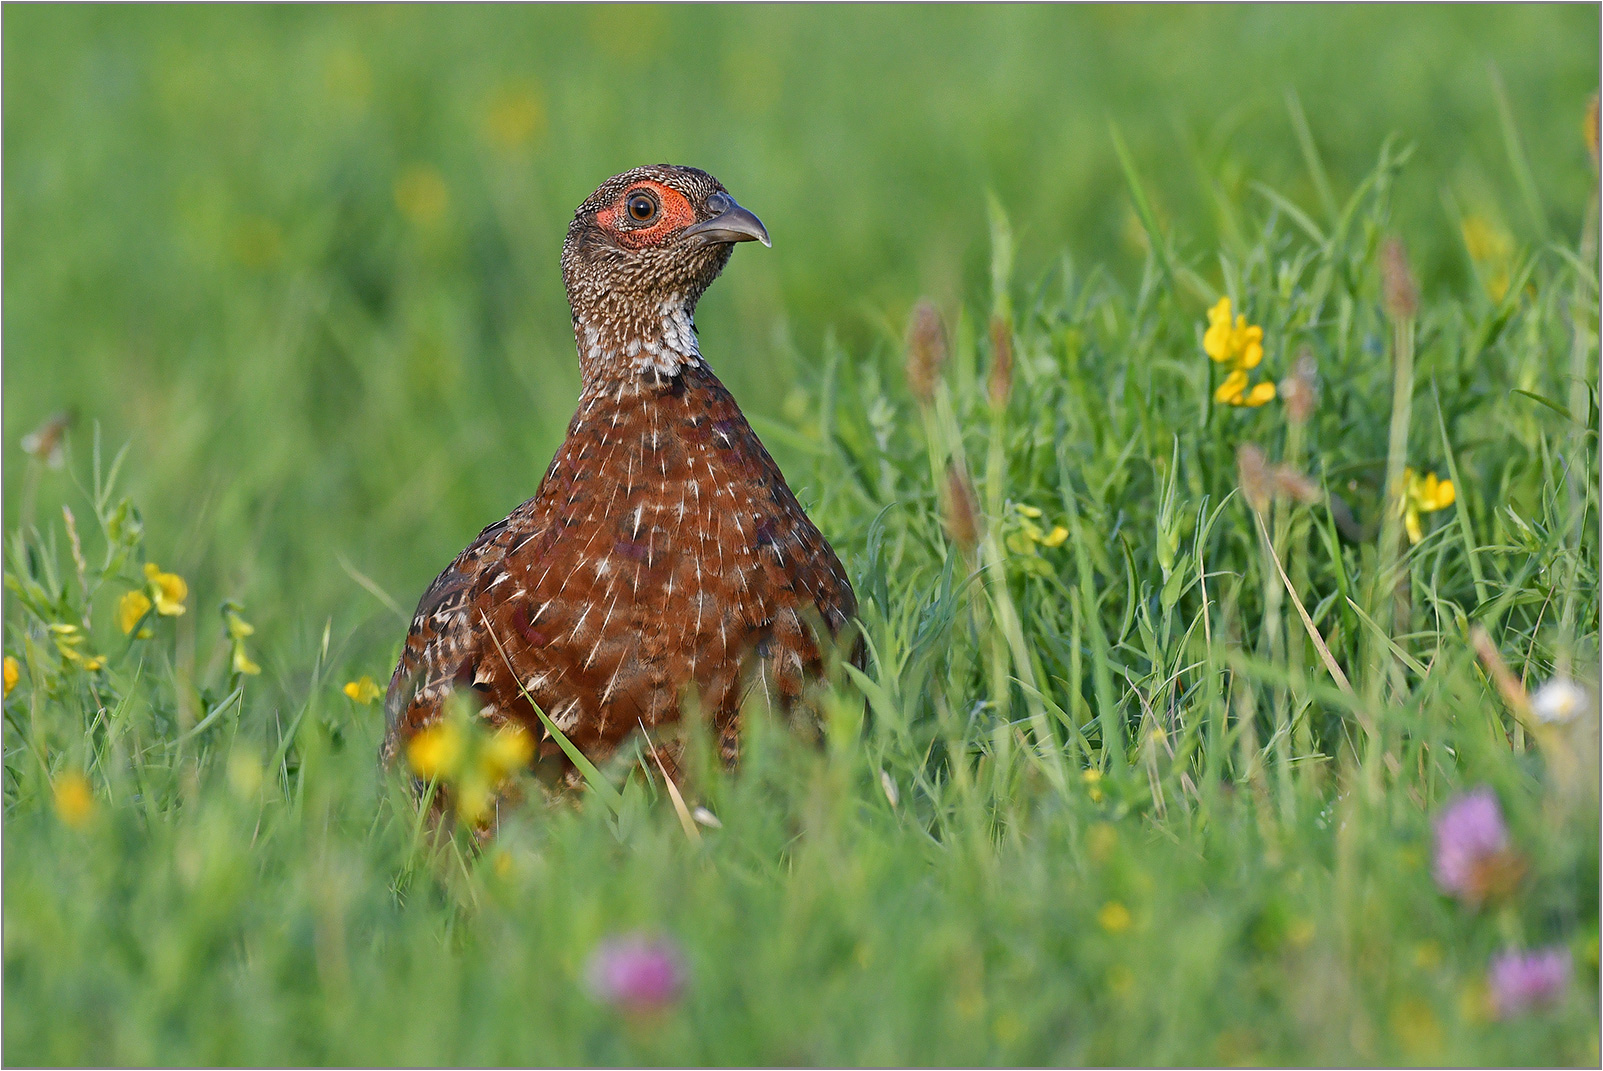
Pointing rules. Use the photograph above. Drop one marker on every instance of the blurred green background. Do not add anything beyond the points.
(304, 259)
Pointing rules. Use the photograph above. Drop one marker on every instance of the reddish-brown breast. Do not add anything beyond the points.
(663, 555)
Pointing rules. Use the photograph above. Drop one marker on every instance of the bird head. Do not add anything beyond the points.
(642, 250)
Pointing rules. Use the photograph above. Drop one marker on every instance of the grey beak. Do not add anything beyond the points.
(731, 224)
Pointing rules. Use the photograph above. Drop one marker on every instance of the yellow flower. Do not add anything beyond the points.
(131, 609)
(1492, 250)
(473, 800)
(242, 662)
(508, 751)
(363, 691)
(515, 115)
(236, 628)
(1241, 345)
(1423, 494)
(1485, 240)
(421, 195)
(167, 590)
(12, 672)
(244, 773)
(1054, 538)
(68, 639)
(436, 751)
(75, 801)
(1029, 533)
(1114, 917)
(1262, 394)
(1102, 839)
(1416, 1027)
(1092, 779)
(1233, 391)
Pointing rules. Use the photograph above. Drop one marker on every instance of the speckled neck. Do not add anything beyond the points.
(615, 343)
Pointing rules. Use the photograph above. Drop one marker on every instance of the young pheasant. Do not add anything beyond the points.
(663, 555)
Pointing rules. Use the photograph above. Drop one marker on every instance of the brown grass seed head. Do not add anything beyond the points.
(1000, 383)
(962, 510)
(1399, 292)
(926, 352)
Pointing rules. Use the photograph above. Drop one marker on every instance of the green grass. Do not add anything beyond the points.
(222, 253)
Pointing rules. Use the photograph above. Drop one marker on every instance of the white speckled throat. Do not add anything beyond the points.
(608, 349)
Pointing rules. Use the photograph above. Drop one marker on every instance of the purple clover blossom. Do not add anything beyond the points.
(1520, 981)
(1470, 838)
(636, 972)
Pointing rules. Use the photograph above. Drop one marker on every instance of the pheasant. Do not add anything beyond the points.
(663, 556)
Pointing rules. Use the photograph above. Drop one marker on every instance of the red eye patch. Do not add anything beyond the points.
(674, 212)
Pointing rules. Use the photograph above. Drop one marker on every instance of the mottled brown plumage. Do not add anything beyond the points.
(663, 554)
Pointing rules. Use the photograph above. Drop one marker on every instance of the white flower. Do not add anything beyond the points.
(1559, 701)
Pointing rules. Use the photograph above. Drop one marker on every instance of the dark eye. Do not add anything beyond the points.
(641, 208)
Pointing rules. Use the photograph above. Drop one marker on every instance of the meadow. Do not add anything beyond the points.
(1232, 690)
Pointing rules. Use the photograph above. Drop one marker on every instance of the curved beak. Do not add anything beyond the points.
(731, 224)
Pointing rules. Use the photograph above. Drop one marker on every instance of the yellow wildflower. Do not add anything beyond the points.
(1422, 494)
(12, 673)
(1092, 779)
(75, 801)
(421, 195)
(436, 751)
(236, 628)
(1492, 250)
(348, 78)
(1101, 840)
(473, 800)
(1415, 1025)
(244, 773)
(1241, 345)
(68, 639)
(515, 115)
(1114, 917)
(131, 609)
(167, 590)
(363, 691)
(509, 750)
(1028, 533)
(1485, 240)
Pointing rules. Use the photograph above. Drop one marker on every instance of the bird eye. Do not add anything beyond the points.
(641, 208)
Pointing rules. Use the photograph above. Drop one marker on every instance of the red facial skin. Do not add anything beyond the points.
(675, 212)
